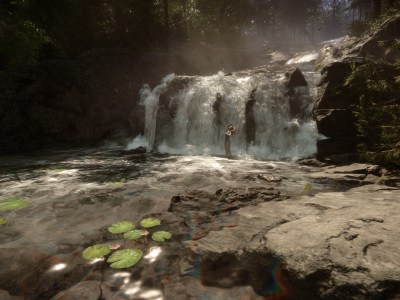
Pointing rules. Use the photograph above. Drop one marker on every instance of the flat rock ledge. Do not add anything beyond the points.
(339, 245)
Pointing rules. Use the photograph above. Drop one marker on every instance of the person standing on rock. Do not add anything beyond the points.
(228, 133)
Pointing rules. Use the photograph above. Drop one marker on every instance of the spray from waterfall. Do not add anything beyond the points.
(192, 118)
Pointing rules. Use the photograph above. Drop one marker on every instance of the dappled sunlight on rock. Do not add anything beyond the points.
(153, 254)
(95, 261)
(121, 278)
(151, 295)
(131, 289)
(58, 267)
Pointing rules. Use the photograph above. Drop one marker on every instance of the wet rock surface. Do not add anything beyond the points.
(319, 232)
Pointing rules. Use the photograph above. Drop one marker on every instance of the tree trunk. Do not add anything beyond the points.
(390, 3)
(166, 18)
(377, 8)
(119, 20)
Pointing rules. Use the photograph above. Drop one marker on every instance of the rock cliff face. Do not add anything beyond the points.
(334, 109)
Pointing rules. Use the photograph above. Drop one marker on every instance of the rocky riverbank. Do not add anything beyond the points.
(240, 229)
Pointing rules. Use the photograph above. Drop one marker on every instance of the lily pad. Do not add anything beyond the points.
(133, 234)
(125, 258)
(308, 187)
(161, 236)
(12, 203)
(96, 251)
(121, 227)
(150, 222)
(3, 221)
(117, 183)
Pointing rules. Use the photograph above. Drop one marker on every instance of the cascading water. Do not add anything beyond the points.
(192, 119)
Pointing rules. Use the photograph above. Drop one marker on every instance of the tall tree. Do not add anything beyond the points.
(166, 20)
(377, 8)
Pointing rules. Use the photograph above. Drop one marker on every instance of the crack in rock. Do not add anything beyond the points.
(373, 244)
(369, 220)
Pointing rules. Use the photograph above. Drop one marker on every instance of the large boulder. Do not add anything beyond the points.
(333, 111)
(335, 103)
(296, 87)
(381, 44)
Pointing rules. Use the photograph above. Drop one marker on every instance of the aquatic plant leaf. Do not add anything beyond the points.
(121, 227)
(12, 203)
(161, 236)
(308, 187)
(125, 258)
(3, 221)
(119, 182)
(150, 222)
(133, 234)
(96, 251)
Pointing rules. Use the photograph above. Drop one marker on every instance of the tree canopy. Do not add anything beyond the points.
(32, 30)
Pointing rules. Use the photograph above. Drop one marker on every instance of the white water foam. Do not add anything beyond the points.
(192, 129)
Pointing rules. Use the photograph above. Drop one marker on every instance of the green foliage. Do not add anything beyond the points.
(20, 43)
(378, 112)
(12, 203)
(150, 222)
(125, 258)
(2, 221)
(34, 30)
(133, 234)
(121, 227)
(96, 251)
(161, 236)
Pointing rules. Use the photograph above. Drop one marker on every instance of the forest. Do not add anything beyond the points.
(36, 30)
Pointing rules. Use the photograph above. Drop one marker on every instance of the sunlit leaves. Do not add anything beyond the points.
(161, 236)
(121, 227)
(125, 258)
(12, 203)
(150, 222)
(96, 251)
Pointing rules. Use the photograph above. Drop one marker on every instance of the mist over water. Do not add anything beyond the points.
(195, 128)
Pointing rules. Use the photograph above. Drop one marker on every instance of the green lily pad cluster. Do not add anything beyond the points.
(126, 258)
(11, 203)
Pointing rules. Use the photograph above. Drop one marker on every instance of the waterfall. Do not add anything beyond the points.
(191, 117)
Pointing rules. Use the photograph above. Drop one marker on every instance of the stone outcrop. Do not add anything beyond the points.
(334, 108)
(382, 44)
(295, 85)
